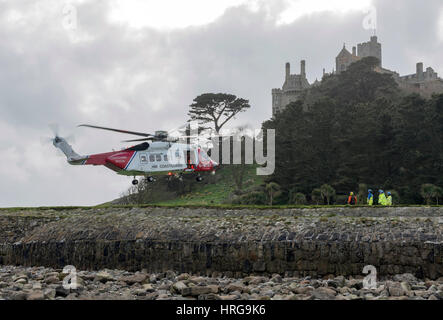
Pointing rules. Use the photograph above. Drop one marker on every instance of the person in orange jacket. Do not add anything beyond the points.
(352, 200)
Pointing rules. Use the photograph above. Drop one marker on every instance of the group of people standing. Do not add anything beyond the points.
(383, 200)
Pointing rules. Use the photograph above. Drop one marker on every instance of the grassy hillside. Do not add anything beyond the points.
(218, 189)
(213, 190)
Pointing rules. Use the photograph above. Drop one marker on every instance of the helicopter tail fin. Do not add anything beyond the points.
(72, 157)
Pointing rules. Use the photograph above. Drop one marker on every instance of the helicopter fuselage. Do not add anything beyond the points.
(154, 158)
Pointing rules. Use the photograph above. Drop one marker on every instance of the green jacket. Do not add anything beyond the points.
(371, 200)
(389, 201)
(382, 200)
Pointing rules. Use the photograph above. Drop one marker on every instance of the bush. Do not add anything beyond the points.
(427, 191)
(316, 196)
(297, 198)
(327, 192)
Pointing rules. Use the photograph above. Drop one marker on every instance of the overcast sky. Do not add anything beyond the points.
(137, 65)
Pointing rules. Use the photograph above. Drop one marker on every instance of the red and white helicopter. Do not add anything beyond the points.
(158, 154)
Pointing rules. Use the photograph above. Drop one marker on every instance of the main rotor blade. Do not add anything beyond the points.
(118, 130)
(134, 140)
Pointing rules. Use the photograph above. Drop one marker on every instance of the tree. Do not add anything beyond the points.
(216, 108)
(316, 196)
(299, 198)
(296, 197)
(427, 191)
(327, 192)
(437, 193)
(271, 189)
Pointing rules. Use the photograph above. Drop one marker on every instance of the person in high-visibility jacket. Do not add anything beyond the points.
(389, 199)
(370, 197)
(352, 200)
(382, 198)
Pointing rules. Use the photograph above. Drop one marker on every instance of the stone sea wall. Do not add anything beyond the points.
(234, 242)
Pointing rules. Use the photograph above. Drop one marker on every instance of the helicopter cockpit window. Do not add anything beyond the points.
(151, 158)
(140, 147)
(143, 158)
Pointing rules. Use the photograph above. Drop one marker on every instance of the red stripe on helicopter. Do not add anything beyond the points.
(119, 159)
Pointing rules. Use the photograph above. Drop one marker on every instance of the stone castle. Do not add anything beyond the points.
(422, 82)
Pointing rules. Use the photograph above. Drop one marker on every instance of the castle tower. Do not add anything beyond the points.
(371, 48)
(303, 68)
(419, 71)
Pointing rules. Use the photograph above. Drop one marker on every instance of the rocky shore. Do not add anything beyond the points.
(39, 283)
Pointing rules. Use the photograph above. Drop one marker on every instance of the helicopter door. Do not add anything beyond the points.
(190, 159)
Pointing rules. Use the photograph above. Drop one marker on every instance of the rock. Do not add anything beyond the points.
(255, 280)
(140, 292)
(147, 287)
(183, 276)
(178, 287)
(354, 283)
(36, 286)
(340, 281)
(432, 297)
(234, 287)
(395, 289)
(60, 291)
(136, 278)
(344, 290)
(323, 293)
(197, 280)
(18, 296)
(21, 280)
(406, 277)
(276, 278)
(406, 288)
(36, 295)
(170, 275)
(104, 276)
(51, 279)
(303, 290)
(210, 296)
(49, 293)
(214, 288)
(196, 291)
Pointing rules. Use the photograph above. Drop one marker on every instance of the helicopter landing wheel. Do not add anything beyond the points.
(135, 182)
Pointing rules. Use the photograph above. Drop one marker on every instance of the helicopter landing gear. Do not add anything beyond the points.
(135, 182)
(199, 178)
